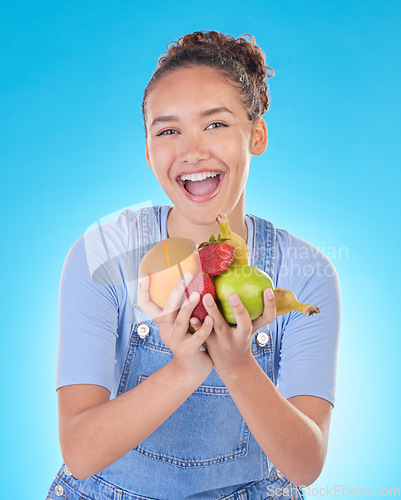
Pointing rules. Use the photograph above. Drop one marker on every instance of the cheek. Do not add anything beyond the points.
(158, 156)
(235, 155)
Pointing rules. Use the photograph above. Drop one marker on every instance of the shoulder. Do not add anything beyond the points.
(108, 239)
(296, 256)
(101, 253)
(110, 248)
(308, 272)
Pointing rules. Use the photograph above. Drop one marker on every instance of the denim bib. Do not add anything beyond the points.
(204, 450)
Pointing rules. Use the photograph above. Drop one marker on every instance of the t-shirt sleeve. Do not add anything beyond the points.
(88, 319)
(308, 354)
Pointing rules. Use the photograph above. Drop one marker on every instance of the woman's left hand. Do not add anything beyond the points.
(230, 346)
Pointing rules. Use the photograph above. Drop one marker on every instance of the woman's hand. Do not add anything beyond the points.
(174, 322)
(230, 347)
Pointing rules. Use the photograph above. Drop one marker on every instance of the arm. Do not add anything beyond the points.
(95, 432)
(293, 433)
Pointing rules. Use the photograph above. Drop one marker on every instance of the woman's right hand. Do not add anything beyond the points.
(174, 322)
(95, 430)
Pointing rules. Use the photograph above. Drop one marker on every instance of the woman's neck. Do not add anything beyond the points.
(178, 225)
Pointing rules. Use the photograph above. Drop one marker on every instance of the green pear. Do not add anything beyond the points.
(246, 281)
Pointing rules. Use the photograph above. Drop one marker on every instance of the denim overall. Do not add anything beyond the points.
(204, 450)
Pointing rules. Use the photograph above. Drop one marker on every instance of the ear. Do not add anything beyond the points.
(147, 155)
(259, 137)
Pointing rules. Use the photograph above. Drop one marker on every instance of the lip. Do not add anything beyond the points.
(203, 198)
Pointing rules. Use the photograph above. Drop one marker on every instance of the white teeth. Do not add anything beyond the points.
(198, 177)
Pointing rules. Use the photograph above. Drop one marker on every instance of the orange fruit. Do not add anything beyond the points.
(166, 263)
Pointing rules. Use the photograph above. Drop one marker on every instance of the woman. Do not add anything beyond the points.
(144, 412)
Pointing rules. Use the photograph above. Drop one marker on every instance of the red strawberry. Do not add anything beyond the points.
(202, 284)
(215, 256)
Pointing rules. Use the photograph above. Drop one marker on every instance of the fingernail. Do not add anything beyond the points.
(209, 300)
(270, 294)
(234, 300)
(208, 320)
(193, 296)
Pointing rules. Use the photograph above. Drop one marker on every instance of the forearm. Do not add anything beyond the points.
(293, 442)
(100, 435)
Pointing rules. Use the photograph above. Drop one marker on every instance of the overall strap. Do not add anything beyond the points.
(264, 257)
(264, 245)
(148, 227)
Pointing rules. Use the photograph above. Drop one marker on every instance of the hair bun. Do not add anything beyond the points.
(240, 59)
(243, 50)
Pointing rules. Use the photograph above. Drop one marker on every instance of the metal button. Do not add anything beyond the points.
(143, 330)
(67, 471)
(262, 338)
(59, 490)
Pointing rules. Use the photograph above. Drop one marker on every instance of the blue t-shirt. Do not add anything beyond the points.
(98, 293)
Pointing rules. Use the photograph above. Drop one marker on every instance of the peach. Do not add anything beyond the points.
(166, 263)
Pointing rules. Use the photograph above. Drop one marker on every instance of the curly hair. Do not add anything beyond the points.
(239, 59)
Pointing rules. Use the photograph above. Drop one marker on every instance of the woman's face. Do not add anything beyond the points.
(200, 142)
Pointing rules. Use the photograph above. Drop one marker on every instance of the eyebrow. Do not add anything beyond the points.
(174, 118)
(221, 109)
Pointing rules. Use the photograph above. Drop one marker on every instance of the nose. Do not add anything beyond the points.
(193, 147)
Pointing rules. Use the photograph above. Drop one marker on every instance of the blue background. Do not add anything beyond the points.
(72, 151)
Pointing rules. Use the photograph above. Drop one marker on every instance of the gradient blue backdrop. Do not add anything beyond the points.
(72, 152)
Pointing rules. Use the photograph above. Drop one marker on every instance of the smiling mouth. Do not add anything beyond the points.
(202, 184)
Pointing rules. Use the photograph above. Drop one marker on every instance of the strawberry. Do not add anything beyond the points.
(203, 285)
(215, 256)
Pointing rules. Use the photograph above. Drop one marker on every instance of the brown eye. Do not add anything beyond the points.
(215, 125)
(168, 131)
